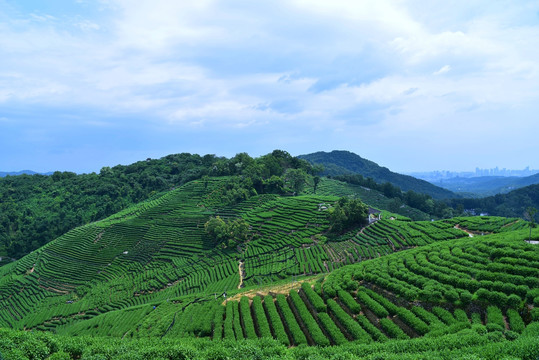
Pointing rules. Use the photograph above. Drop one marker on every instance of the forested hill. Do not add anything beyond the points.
(345, 162)
(514, 203)
(34, 209)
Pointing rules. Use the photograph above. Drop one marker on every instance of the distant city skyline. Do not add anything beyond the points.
(410, 85)
(496, 171)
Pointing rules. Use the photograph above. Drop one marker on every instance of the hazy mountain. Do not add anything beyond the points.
(345, 162)
(487, 185)
(14, 173)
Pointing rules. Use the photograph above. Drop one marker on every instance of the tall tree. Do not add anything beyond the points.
(316, 181)
(296, 178)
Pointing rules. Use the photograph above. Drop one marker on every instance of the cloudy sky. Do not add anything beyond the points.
(412, 85)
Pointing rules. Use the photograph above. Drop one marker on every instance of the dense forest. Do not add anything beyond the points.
(511, 204)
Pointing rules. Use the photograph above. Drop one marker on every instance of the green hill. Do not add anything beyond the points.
(152, 281)
(159, 250)
(513, 204)
(345, 162)
(152, 278)
(36, 209)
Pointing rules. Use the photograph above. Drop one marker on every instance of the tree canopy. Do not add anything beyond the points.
(347, 213)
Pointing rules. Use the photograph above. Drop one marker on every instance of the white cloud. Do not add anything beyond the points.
(87, 25)
(444, 69)
(336, 65)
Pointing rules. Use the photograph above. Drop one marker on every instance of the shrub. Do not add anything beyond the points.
(510, 335)
(237, 322)
(261, 320)
(316, 301)
(480, 329)
(390, 307)
(373, 331)
(495, 316)
(228, 326)
(348, 323)
(349, 301)
(476, 318)
(290, 319)
(332, 329)
(275, 320)
(314, 330)
(392, 330)
(465, 297)
(535, 314)
(515, 321)
(495, 336)
(371, 304)
(494, 327)
(426, 316)
(56, 356)
(444, 315)
(514, 301)
(460, 315)
(248, 324)
(449, 329)
(413, 321)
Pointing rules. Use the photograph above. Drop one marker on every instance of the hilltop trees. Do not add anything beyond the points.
(36, 209)
(296, 179)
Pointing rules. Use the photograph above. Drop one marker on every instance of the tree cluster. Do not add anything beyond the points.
(346, 214)
(227, 233)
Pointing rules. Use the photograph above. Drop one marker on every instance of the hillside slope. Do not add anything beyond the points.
(345, 162)
(158, 250)
(512, 204)
(152, 272)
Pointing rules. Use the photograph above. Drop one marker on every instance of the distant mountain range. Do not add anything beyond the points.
(345, 162)
(14, 173)
(486, 185)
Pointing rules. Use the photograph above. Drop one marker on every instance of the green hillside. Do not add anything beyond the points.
(153, 278)
(345, 162)
(446, 299)
(159, 250)
(512, 204)
(36, 209)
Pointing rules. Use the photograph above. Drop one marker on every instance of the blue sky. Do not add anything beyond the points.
(411, 85)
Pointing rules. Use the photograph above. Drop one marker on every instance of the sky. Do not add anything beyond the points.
(412, 85)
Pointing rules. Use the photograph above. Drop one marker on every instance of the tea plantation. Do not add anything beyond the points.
(150, 282)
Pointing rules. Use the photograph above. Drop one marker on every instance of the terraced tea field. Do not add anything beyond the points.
(151, 270)
(423, 292)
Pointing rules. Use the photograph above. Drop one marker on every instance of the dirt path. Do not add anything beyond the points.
(466, 231)
(274, 289)
(241, 269)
